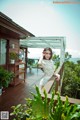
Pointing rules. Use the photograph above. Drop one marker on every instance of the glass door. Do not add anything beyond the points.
(3, 50)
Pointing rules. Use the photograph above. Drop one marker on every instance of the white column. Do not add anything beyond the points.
(62, 52)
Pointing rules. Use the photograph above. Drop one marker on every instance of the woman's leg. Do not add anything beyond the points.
(43, 81)
(41, 85)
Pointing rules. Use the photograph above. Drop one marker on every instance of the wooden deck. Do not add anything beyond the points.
(15, 95)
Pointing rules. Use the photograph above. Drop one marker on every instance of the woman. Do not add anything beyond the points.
(47, 65)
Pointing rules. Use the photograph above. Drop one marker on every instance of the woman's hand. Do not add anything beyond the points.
(40, 66)
(43, 53)
(57, 77)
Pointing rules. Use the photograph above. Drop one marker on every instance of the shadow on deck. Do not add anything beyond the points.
(15, 95)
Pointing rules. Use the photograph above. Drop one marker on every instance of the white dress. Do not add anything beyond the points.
(48, 68)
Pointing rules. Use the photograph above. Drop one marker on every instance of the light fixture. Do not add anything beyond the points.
(13, 46)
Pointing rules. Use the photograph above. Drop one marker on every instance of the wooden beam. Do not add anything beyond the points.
(71, 100)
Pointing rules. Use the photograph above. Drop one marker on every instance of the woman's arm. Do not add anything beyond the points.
(40, 63)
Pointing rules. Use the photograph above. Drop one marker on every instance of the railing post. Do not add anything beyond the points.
(59, 83)
(57, 86)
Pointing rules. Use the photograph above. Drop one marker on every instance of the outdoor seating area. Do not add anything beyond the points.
(17, 94)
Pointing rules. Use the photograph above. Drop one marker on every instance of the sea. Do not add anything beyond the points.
(71, 59)
(74, 59)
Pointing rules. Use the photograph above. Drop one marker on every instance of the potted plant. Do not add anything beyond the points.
(5, 78)
(40, 108)
(13, 57)
(30, 64)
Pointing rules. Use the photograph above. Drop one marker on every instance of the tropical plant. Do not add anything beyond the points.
(40, 108)
(67, 56)
(19, 112)
(5, 77)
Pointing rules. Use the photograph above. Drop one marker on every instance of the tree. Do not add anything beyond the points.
(71, 80)
(67, 56)
(56, 60)
(78, 62)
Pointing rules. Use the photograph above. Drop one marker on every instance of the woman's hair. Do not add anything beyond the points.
(49, 49)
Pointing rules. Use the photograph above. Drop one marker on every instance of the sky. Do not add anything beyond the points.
(45, 18)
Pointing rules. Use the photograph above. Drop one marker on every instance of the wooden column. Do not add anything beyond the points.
(7, 54)
(26, 56)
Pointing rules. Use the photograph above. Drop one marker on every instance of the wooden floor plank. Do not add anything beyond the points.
(15, 95)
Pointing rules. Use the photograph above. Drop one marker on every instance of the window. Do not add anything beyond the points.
(2, 51)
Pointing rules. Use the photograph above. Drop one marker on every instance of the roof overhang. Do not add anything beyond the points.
(9, 28)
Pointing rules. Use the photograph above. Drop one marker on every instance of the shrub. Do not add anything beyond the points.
(40, 108)
(5, 77)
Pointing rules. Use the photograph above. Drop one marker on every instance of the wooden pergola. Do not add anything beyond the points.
(54, 42)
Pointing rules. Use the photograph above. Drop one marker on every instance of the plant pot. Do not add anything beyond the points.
(12, 61)
(0, 91)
